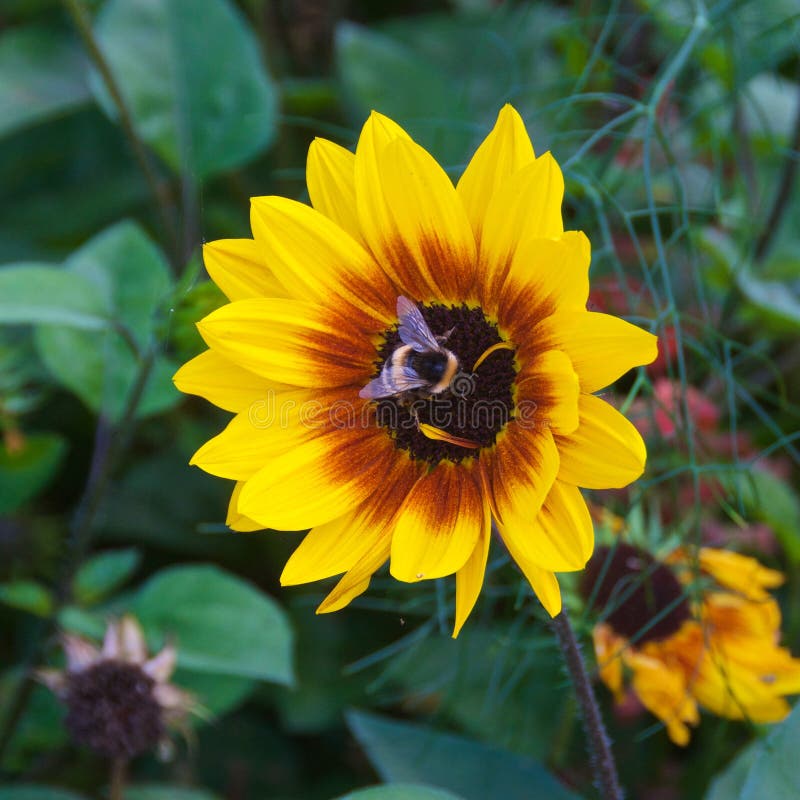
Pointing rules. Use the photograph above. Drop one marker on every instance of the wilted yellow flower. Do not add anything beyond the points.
(719, 652)
(119, 702)
(410, 361)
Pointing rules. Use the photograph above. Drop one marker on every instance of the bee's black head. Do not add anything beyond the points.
(431, 365)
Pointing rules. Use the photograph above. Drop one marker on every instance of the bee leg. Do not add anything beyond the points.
(445, 336)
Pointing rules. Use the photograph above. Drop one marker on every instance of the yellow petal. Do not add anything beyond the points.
(731, 690)
(469, 579)
(608, 647)
(438, 525)
(525, 206)
(340, 544)
(260, 433)
(605, 452)
(236, 521)
(414, 222)
(317, 261)
(560, 538)
(548, 393)
(664, 693)
(240, 270)
(543, 582)
(330, 175)
(545, 276)
(505, 150)
(291, 341)
(601, 347)
(223, 383)
(740, 573)
(519, 473)
(320, 479)
(356, 580)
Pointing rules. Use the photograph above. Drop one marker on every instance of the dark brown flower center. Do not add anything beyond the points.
(476, 406)
(638, 596)
(111, 709)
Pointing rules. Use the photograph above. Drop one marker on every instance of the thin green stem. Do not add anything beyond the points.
(598, 743)
(781, 201)
(83, 23)
(109, 444)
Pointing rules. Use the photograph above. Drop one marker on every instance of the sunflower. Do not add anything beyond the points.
(718, 650)
(483, 271)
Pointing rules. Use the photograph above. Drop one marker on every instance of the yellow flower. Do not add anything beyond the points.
(720, 652)
(416, 478)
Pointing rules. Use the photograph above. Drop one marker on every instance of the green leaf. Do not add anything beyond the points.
(167, 792)
(27, 595)
(774, 772)
(131, 276)
(400, 791)
(727, 784)
(221, 623)
(445, 76)
(38, 792)
(193, 78)
(89, 624)
(103, 573)
(40, 293)
(771, 500)
(25, 472)
(401, 751)
(766, 769)
(217, 694)
(42, 76)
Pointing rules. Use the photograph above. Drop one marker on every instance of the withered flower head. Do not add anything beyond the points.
(119, 702)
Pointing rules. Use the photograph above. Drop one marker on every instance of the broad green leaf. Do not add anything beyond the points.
(103, 573)
(193, 78)
(217, 694)
(402, 751)
(221, 624)
(167, 792)
(38, 792)
(42, 74)
(40, 293)
(25, 472)
(131, 276)
(27, 595)
(768, 498)
(400, 791)
(774, 772)
(89, 624)
(728, 783)
(444, 77)
(765, 769)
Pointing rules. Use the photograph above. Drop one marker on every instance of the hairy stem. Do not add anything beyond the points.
(598, 743)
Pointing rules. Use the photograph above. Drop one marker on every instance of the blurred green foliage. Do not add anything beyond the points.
(133, 130)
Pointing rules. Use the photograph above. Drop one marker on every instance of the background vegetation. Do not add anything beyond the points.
(133, 130)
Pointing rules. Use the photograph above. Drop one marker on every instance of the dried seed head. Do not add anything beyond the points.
(112, 709)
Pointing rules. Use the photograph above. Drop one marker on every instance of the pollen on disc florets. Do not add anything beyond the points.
(111, 709)
(639, 597)
(478, 404)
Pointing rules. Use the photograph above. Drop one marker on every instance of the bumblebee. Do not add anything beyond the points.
(420, 366)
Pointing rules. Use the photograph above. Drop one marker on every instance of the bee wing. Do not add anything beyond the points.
(400, 380)
(414, 331)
